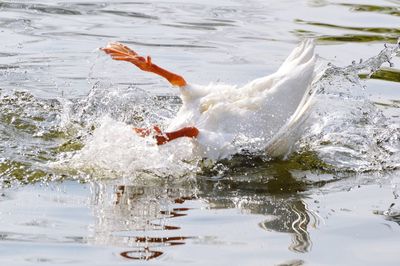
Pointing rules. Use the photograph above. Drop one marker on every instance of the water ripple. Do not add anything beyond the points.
(168, 45)
(129, 14)
(388, 10)
(42, 8)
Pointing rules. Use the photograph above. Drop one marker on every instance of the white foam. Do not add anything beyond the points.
(115, 148)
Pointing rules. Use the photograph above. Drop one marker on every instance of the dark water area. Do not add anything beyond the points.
(77, 188)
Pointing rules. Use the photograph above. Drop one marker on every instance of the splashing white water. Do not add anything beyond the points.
(346, 129)
(343, 127)
(115, 148)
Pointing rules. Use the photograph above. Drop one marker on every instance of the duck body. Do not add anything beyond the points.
(259, 112)
(221, 120)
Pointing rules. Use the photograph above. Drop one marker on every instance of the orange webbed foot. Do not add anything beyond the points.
(145, 132)
(121, 52)
(162, 138)
(158, 135)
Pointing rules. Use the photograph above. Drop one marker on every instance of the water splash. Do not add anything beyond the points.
(105, 120)
(344, 128)
(93, 136)
(130, 105)
(29, 133)
(114, 150)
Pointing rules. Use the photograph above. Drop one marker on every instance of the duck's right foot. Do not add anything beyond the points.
(144, 132)
(162, 138)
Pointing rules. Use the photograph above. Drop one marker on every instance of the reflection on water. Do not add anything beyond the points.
(371, 34)
(295, 219)
(142, 219)
(138, 218)
(276, 198)
(388, 10)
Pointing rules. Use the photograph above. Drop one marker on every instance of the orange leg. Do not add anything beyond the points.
(162, 138)
(119, 51)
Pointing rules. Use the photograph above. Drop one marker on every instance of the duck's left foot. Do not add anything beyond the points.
(121, 52)
(162, 138)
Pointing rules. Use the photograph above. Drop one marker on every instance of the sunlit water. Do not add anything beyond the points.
(78, 187)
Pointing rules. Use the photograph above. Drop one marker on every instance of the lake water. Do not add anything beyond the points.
(76, 191)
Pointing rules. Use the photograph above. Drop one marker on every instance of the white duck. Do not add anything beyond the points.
(264, 111)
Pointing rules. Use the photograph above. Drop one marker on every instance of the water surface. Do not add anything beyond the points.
(333, 201)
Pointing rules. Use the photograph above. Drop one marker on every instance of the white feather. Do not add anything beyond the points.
(267, 109)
